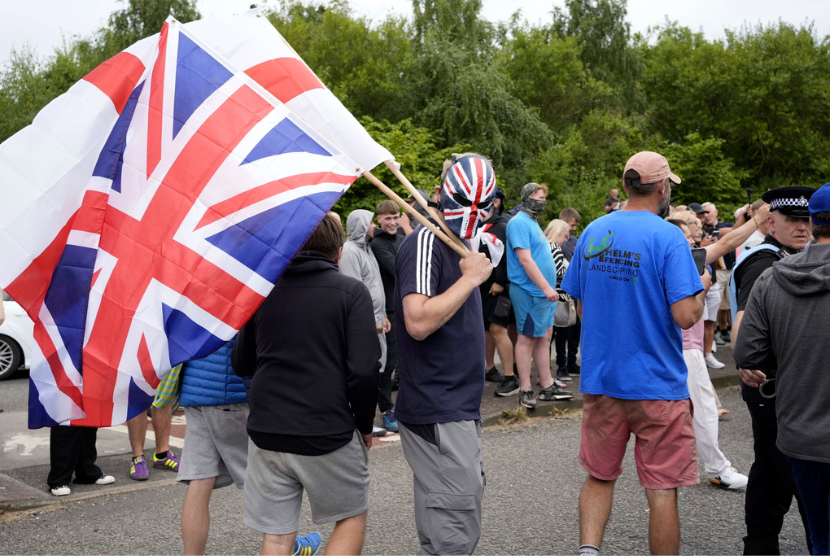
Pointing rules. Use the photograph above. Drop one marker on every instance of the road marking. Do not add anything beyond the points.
(29, 442)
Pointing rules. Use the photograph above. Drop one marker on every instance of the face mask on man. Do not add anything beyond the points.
(467, 194)
(532, 207)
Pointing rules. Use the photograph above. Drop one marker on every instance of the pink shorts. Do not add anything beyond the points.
(664, 450)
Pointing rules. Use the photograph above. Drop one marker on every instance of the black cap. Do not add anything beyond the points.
(500, 193)
(790, 201)
(697, 208)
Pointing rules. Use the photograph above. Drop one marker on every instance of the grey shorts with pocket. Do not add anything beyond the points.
(337, 485)
(215, 444)
(449, 485)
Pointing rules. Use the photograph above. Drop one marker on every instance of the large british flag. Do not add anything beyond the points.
(185, 182)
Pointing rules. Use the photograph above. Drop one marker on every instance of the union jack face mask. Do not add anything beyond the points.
(467, 194)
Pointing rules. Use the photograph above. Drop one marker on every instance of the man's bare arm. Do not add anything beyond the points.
(533, 272)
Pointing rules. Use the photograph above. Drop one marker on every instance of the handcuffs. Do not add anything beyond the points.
(761, 389)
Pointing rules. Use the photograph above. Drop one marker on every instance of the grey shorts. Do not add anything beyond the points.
(337, 485)
(215, 444)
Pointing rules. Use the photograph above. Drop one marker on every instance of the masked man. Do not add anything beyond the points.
(441, 360)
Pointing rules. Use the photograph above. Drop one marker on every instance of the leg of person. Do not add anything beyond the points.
(509, 385)
(277, 545)
(196, 515)
(573, 346)
(663, 521)
(162, 421)
(813, 481)
(86, 471)
(337, 485)
(524, 348)
(449, 485)
(348, 535)
(541, 355)
(504, 347)
(560, 340)
(664, 451)
(595, 502)
(767, 496)
(702, 394)
(605, 434)
(489, 348)
(64, 447)
(137, 429)
(523, 309)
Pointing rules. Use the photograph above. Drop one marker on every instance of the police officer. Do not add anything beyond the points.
(771, 488)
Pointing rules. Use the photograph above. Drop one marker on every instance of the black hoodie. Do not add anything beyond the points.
(312, 348)
(785, 330)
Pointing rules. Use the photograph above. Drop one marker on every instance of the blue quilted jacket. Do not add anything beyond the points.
(210, 380)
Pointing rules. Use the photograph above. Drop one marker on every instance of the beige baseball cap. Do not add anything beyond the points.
(651, 166)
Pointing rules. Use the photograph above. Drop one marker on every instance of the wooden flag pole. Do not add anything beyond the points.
(423, 202)
(460, 249)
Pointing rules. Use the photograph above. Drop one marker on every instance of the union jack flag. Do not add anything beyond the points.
(200, 191)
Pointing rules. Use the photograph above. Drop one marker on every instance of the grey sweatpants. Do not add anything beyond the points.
(449, 484)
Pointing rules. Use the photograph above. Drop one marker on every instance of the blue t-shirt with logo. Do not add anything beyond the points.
(524, 232)
(628, 269)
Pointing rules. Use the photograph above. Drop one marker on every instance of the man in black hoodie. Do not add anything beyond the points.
(312, 349)
(783, 328)
(385, 245)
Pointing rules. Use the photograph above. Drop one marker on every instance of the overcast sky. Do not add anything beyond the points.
(42, 23)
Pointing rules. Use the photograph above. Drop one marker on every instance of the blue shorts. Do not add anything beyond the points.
(534, 315)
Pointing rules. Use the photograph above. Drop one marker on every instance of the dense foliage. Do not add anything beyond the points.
(565, 102)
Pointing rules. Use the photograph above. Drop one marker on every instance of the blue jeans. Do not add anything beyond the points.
(813, 481)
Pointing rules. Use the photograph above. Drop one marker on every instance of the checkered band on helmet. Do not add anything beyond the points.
(467, 193)
(789, 202)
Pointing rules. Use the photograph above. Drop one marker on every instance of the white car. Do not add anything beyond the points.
(16, 339)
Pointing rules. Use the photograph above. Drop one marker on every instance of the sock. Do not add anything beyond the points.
(588, 550)
(161, 455)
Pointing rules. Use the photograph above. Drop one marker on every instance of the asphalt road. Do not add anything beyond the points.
(530, 505)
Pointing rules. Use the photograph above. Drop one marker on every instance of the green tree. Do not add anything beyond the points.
(367, 67)
(586, 162)
(548, 74)
(765, 91)
(462, 93)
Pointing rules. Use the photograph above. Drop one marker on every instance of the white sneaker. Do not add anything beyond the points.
(713, 363)
(105, 480)
(378, 431)
(731, 479)
(62, 491)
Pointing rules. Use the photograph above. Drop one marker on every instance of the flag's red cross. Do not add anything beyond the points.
(145, 250)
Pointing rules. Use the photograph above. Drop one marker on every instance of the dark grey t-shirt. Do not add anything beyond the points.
(442, 376)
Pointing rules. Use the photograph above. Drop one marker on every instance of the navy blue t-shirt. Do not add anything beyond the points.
(442, 376)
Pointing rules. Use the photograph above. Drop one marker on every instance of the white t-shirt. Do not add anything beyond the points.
(756, 238)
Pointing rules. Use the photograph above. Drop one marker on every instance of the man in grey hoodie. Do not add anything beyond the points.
(783, 331)
(358, 261)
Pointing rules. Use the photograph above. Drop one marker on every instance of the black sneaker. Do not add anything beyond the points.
(726, 336)
(573, 369)
(509, 387)
(527, 399)
(554, 393)
(493, 375)
(562, 374)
